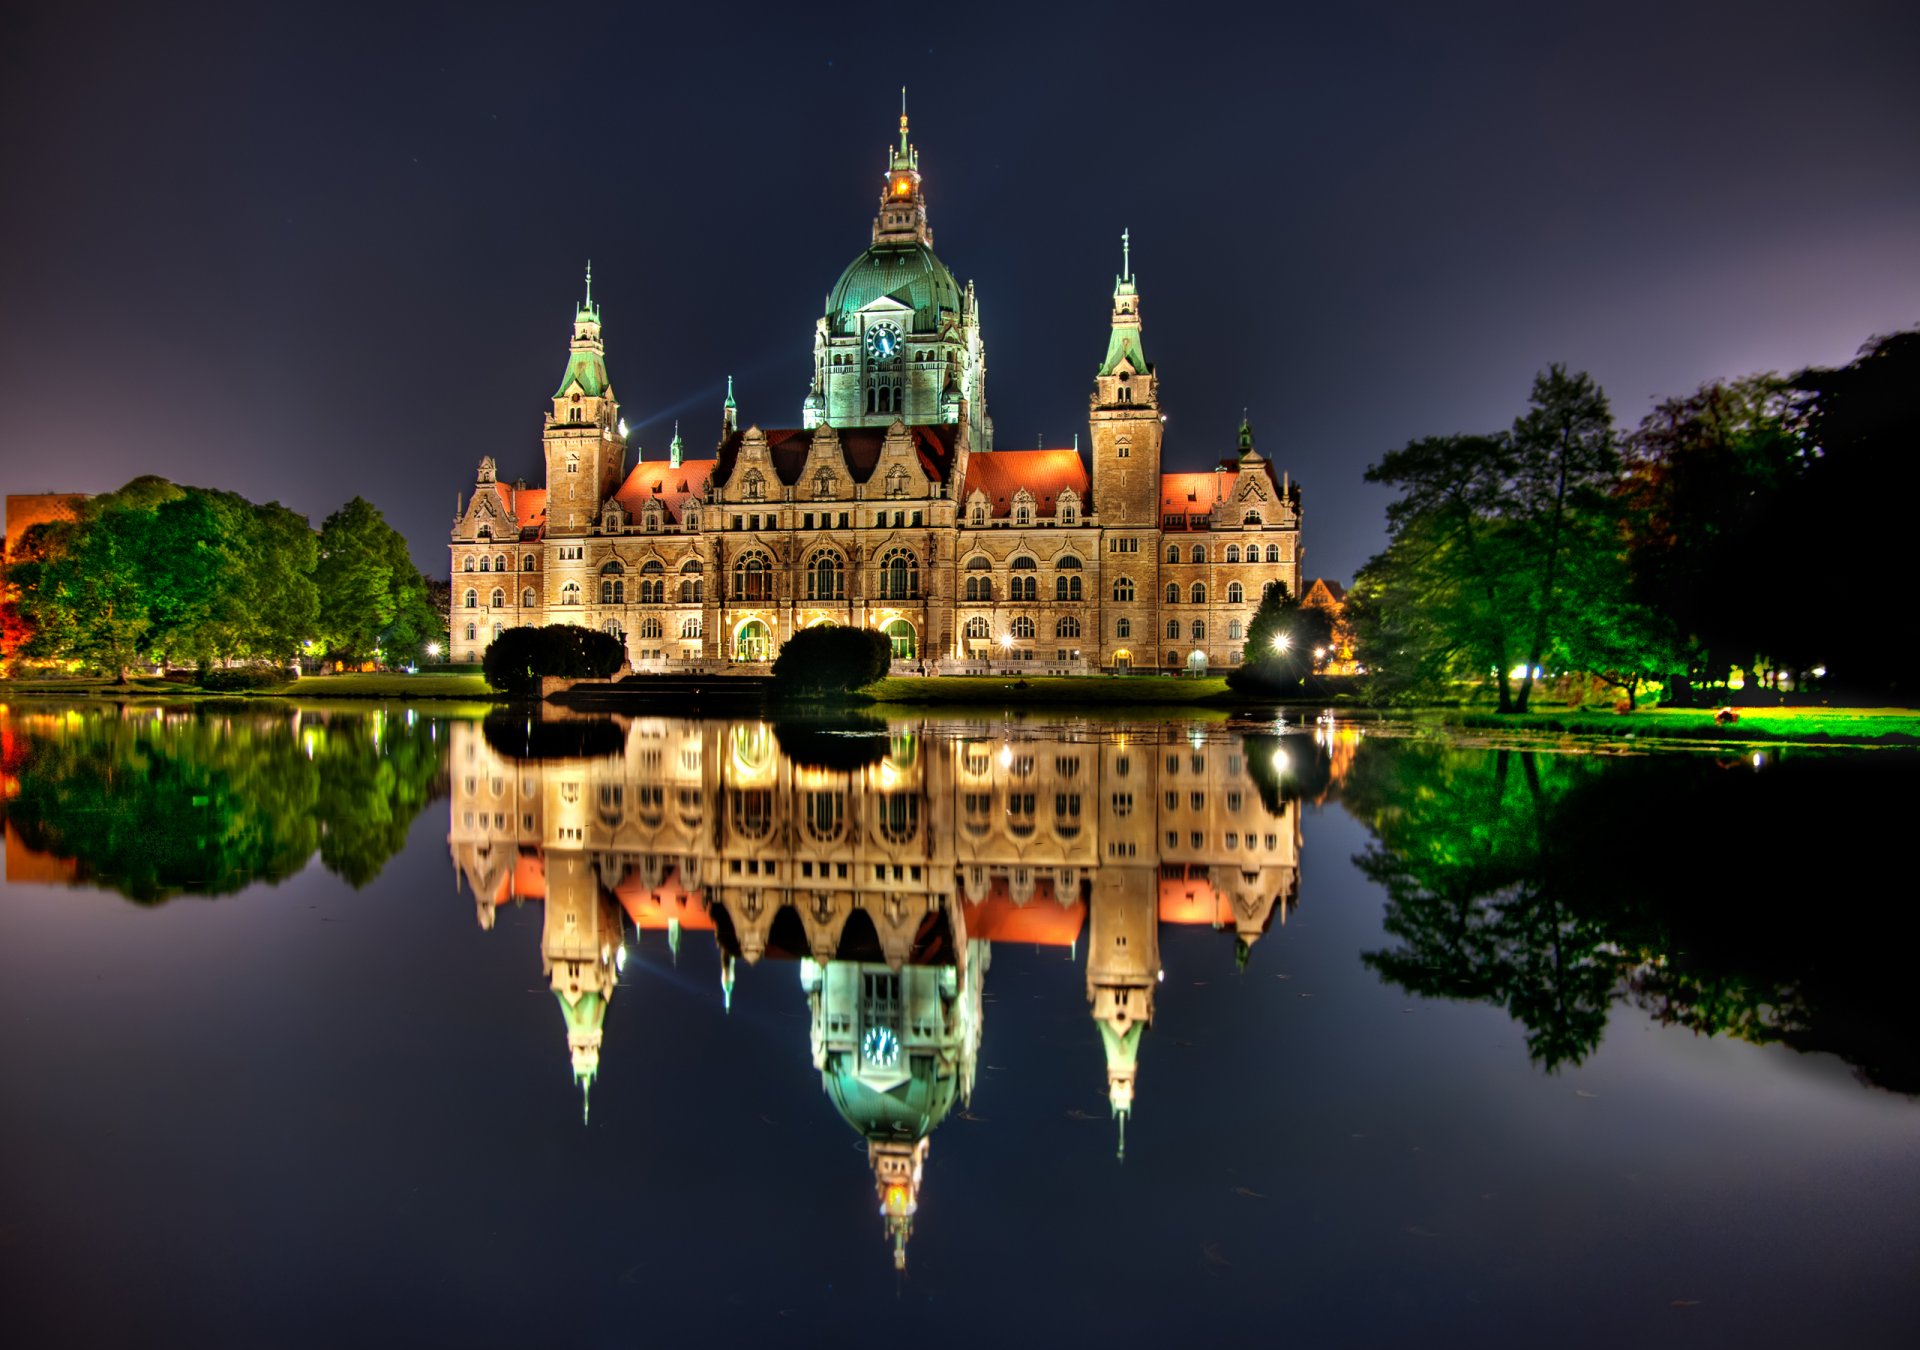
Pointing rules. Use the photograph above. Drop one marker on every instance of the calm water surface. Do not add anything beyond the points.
(360, 1027)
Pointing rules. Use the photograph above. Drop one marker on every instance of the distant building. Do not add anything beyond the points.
(886, 506)
(1326, 594)
(24, 511)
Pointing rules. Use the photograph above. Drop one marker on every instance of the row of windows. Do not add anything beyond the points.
(497, 563)
(980, 589)
(1198, 553)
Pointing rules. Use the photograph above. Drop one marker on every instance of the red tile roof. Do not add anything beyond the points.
(1193, 492)
(673, 487)
(1044, 473)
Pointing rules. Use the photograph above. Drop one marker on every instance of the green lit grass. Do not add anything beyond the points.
(385, 685)
(1886, 726)
(1054, 691)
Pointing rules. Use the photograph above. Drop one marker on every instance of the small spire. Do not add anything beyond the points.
(589, 303)
(1122, 1154)
(903, 119)
(730, 402)
(673, 461)
(1126, 255)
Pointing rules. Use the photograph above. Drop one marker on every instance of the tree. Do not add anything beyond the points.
(1710, 488)
(371, 596)
(832, 659)
(1477, 575)
(516, 661)
(1281, 640)
(88, 599)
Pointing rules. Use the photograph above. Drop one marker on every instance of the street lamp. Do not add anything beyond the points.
(1281, 642)
(433, 651)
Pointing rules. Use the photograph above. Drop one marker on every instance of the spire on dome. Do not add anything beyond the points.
(1124, 341)
(903, 207)
(905, 148)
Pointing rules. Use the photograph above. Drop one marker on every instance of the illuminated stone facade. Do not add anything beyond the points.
(886, 506)
(887, 882)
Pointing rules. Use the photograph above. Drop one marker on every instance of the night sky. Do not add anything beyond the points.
(304, 252)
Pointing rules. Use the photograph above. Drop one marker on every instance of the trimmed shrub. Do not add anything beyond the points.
(515, 662)
(238, 679)
(832, 659)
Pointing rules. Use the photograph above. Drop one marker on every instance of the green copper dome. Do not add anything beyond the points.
(908, 272)
(909, 1111)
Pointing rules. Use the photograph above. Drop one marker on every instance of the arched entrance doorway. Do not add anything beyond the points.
(905, 642)
(752, 642)
(1123, 660)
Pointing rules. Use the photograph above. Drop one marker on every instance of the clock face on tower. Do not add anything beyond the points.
(881, 1047)
(883, 342)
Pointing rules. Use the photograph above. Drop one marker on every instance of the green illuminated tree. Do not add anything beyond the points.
(371, 596)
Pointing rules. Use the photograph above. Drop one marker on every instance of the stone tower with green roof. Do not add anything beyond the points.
(586, 456)
(900, 338)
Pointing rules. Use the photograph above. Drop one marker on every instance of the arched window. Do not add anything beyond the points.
(472, 599)
(1234, 593)
(1199, 630)
(1233, 553)
(470, 632)
(1023, 627)
(1173, 658)
(1173, 628)
(1173, 592)
(1199, 592)
(977, 512)
(896, 481)
(486, 564)
(470, 563)
(1022, 563)
(900, 575)
(526, 598)
(689, 628)
(1025, 588)
(1273, 553)
(979, 589)
(1066, 588)
(1023, 508)
(1234, 630)
(1068, 508)
(691, 587)
(653, 582)
(1067, 627)
(526, 563)
(1250, 518)
(650, 628)
(500, 562)
(612, 567)
(1123, 628)
(1123, 588)
(1173, 553)
(613, 629)
(977, 628)
(1068, 563)
(826, 576)
(1197, 554)
(753, 577)
(753, 487)
(613, 592)
(570, 593)
(499, 598)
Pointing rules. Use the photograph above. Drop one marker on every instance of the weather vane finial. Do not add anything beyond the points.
(1126, 255)
(903, 119)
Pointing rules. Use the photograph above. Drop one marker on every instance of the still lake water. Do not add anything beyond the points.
(325, 1027)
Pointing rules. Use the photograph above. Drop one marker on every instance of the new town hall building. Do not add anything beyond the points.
(886, 506)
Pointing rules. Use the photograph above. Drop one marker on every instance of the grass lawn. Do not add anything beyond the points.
(90, 687)
(1072, 691)
(1891, 726)
(389, 685)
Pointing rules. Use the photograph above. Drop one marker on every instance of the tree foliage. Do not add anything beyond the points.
(1281, 639)
(373, 600)
(832, 659)
(516, 661)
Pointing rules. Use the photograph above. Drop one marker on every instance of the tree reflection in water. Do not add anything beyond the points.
(1703, 891)
(158, 802)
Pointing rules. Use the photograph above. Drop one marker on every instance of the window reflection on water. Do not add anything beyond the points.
(884, 862)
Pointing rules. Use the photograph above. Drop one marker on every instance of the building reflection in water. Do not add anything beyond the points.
(886, 863)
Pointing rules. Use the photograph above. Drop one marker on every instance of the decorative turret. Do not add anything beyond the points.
(896, 1180)
(902, 217)
(674, 451)
(729, 413)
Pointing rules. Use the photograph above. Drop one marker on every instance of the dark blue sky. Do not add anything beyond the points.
(307, 252)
